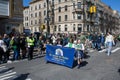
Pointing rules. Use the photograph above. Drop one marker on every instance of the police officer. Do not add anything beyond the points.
(30, 43)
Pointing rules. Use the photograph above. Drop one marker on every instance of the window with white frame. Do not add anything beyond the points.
(59, 28)
(66, 29)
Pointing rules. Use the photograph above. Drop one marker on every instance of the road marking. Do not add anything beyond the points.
(115, 50)
(103, 50)
(28, 79)
(91, 50)
(4, 78)
(8, 71)
(2, 67)
(7, 75)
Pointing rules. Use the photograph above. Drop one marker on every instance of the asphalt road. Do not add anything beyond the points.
(97, 66)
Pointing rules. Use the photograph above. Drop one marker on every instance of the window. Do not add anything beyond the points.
(55, 27)
(39, 6)
(31, 22)
(44, 12)
(88, 28)
(66, 17)
(65, 0)
(59, 9)
(35, 7)
(27, 24)
(35, 21)
(39, 20)
(65, 27)
(27, 18)
(31, 15)
(35, 14)
(59, 28)
(79, 5)
(73, 5)
(31, 8)
(65, 7)
(78, 16)
(79, 27)
(73, 27)
(59, 1)
(73, 15)
(59, 19)
(44, 5)
(39, 14)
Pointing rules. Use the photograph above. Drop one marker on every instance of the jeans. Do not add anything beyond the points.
(16, 54)
(109, 47)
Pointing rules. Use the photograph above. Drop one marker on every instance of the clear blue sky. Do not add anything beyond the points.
(115, 4)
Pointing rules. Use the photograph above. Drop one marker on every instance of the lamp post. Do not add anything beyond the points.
(48, 27)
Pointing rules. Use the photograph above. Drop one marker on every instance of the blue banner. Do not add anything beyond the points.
(60, 55)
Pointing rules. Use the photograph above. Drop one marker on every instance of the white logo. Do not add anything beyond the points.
(59, 52)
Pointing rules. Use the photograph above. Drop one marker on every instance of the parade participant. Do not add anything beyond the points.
(98, 43)
(102, 40)
(40, 44)
(59, 43)
(82, 37)
(23, 45)
(30, 44)
(14, 42)
(70, 44)
(80, 49)
(6, 40)
(110, 42)
(3, 49)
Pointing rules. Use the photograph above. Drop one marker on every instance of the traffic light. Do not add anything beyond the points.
(43, 26)
(93, 9)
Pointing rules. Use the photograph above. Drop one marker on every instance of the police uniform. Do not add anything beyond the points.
(30, 44)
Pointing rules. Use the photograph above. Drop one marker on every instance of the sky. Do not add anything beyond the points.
(114, 4)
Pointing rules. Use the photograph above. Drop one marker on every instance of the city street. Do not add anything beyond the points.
(97, 66)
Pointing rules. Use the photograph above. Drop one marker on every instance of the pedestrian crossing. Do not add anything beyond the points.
(7, 73)
(104, 50)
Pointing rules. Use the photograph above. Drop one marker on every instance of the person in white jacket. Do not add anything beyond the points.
(109, 41)
(3, 49)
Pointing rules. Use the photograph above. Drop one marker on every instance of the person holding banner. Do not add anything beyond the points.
(80, 49)
(70, 44)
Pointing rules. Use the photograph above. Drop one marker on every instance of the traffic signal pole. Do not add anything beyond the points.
(48, 27)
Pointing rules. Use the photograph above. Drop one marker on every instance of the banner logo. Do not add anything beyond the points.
(59, 52)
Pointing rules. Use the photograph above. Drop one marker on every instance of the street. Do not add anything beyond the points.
(96, 66)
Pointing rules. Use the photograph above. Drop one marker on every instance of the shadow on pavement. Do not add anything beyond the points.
(22, 77)
(86, 56)
(119, 71)
(84, 63)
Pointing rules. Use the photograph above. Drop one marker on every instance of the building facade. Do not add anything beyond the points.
(71, 16)
(13, 15)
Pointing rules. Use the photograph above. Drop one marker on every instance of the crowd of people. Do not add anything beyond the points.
(23, 46)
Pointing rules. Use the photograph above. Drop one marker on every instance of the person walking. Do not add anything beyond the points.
(110, 42)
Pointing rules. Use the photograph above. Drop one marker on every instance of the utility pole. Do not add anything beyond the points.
(48, 27)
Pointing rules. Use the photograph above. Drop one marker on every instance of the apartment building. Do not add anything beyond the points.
(71, 16)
